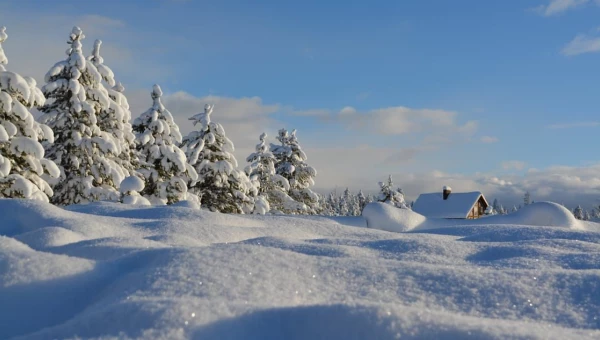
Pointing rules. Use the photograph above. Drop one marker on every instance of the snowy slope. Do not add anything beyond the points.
(115, 271)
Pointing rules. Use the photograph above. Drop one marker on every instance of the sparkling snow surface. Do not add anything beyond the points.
(116, 271)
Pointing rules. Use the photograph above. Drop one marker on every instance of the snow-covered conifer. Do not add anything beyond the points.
(272, 186)
(495, 205)
(527, 198)
(221, 186)
(22, 162)
(291, 164)
(578, 213)
(163, 164)
(3, 59)
(84, 153)
(116, 117)
(362, 201)
(345, 203)
(388, 195)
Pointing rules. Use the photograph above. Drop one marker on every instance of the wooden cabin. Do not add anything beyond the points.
(449, 205)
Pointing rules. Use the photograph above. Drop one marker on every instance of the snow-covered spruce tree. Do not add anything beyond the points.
(163, 164)
(272, 186)
(578, 213)
(496, 206)
(291, 164)
(362, 201)
(388, 195)
(84, 153)
(221, 186)
(527, 198)
(116, 117)
(22, 162)
(344, 203)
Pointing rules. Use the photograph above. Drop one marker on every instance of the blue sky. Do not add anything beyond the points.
(469, 92)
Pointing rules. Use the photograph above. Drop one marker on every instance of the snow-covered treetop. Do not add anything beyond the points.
(96, 59)
(262, 147)
(203, 118)
(3, 37)
(157, 121)
(75, 53)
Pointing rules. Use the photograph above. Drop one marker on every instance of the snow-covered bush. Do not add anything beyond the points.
(22, 163)
(130, 191)
(220, 185)
(84, 153)
(162, 163)
(291, 164)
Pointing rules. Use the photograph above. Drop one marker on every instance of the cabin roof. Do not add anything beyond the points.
(458, 205)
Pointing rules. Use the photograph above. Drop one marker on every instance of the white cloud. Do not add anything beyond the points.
(513, 165)
(555, 7)
(489, 139)
(582, 43)
(397, 120)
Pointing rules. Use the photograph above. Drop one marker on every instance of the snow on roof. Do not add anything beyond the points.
(458, 205)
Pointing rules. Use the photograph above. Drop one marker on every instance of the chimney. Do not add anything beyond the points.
(446, 192)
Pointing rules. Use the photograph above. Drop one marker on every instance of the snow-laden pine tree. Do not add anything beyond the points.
(291, 164)
(272, 186)
(527, 198)
(496, 206)
(362, 201)
(116, 117)
(163, 164)
(345, 203)
(22, 162)
(387, 194)
(84, 153)
(329, 205)
(578, 213)
(221, 186)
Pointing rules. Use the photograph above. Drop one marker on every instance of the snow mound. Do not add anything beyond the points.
(389, 218)
(50, 237)
(544, 214)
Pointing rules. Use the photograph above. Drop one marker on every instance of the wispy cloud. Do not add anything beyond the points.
(583, 43)
(489, 139)
(555, 7)
(395, 120)
(573, 125)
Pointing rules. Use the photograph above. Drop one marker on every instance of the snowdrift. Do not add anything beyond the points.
(387, 217)
(108, 270)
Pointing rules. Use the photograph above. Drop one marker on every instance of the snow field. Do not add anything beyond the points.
(107, 270)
